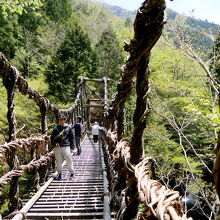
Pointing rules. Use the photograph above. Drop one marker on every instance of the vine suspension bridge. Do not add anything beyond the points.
(112, 176)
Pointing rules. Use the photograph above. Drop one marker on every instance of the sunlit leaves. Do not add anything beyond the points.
(18, 6)
(181, 108)
(202, 108)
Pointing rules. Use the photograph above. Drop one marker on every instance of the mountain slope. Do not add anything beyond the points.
(202, 29)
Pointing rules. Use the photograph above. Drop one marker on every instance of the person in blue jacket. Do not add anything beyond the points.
(78, 132)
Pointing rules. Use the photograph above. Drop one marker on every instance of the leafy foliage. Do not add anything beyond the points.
(3, 114)
(18, 6)
(215, 58)
(58, 10)
(8, 34)
(74, 57)
(109, 55)
(25, 58)
(177, 133)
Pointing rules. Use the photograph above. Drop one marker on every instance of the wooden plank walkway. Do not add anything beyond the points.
(81, 198)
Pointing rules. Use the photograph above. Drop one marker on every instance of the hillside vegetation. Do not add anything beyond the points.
(202, 29)
(55, 43)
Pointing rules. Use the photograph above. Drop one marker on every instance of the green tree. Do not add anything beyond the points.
(74, 57)
(31, 19)
(181, 128)
(58, 10)
(8, 34)
(26, 56)
(215, 58)
(110, 54)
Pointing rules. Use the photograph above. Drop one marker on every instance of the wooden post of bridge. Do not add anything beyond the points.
(106, 107)
(96, 98)
(81, 99)
(43, 111)
(9, 82)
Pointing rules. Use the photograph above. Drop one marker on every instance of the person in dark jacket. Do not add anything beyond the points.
(78, 133)
(63, 140)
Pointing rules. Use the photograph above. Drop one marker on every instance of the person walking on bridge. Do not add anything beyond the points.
(78, 133)
(95, 132)
(63, 140)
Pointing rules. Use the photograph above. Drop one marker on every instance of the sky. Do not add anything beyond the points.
(203, 9)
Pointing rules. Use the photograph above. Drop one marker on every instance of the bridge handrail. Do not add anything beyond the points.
(161, 202)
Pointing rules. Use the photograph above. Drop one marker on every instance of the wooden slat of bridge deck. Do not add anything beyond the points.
(74, 199)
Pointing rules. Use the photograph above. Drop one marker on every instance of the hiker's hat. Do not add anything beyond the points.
(62, 116)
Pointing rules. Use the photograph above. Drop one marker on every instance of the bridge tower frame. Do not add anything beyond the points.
(93, 99)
